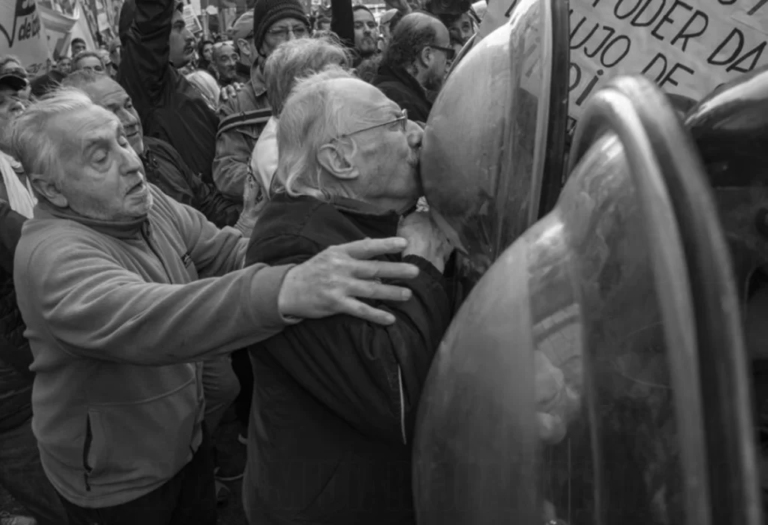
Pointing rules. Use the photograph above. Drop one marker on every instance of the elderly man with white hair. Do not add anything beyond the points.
(124, 291)
(335, 399)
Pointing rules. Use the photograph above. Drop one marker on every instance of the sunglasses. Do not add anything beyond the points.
(450, 53)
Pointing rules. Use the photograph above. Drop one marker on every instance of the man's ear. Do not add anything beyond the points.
(337, 160)
(49, 190)
(425, 56)
(243, 47)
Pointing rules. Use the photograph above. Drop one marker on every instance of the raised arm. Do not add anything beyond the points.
(145, 70)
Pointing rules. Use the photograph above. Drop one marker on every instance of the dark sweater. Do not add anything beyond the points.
(335, 399)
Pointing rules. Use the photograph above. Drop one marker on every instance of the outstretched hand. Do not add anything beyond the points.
(334, 281)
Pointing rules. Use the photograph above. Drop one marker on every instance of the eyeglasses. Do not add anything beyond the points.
(402, 120)
(282, 32)
(450, 53)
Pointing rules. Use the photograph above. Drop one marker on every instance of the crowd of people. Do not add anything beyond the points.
(190, 225)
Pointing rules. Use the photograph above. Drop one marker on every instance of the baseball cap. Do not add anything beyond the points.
(13, 81)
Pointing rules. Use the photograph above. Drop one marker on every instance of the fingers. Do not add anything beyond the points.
(383, 270)
(378, 291)
(369, 248)
(355, 308)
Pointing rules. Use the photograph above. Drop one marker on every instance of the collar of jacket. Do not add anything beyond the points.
(118, 229)
(400, 74)
(257, 78)
(242, 70)
(377, 219)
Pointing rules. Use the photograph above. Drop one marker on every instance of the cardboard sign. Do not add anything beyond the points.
(687, 47)
(22, 34)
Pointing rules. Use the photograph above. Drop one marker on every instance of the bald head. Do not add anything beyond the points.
(420, 44)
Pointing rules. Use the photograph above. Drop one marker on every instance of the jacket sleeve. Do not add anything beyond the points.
(10, 232)
(214, 251)
(96, 308)
(233, 157)
(207, 199)
(145, 69)
(371, 375)
(343, 22)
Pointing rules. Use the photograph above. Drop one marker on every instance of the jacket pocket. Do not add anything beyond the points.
(141, 443)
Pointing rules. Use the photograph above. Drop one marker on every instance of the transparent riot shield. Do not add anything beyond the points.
(570, 387)
(493, 146)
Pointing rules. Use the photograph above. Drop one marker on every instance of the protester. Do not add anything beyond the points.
(163, 165)
(242, 35)
(225, 59)
(11, 65)
(337, 397)
(366, 33)
(64, 65)
(207, 86)
(323, 23)
(155, 42)
(245, 115)
(46, 83)
(460, 27)
(21, 473)
(90, 61)
(77, 46)
(205, 54)
(415, 62)
(289, 62)
(115, 55)
(385, 31)
(107, 280)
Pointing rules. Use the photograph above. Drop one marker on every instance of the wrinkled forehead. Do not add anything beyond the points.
(362, 14)
(75, 129)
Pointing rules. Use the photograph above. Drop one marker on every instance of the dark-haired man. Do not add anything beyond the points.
(155, 42)
(415, 62)
(77, 46)
(366, 33)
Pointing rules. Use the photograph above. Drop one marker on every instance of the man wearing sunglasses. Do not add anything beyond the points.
(415, 63)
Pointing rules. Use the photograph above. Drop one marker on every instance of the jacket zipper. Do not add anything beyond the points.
(145, 234)
(86, 451)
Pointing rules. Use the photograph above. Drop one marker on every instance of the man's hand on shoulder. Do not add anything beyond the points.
(333, 281)
(230, 91)
(425, 239)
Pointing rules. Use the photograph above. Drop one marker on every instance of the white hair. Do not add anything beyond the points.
(313, 115)
(207, 85)
(28, 136)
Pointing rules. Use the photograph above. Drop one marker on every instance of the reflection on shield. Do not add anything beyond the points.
(488, 160)
(572, 383)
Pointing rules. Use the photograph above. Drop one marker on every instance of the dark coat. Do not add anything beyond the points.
(170, 107)
(15, 355)
(400, 87)
(167, 170)
(335, 399)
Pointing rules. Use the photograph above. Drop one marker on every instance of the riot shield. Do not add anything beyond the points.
(493, 145)
(570, 385)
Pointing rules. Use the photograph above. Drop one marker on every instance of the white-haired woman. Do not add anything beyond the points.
(207, 86)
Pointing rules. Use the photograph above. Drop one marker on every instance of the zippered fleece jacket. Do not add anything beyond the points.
(117, 316)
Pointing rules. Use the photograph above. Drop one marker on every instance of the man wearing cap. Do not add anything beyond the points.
(242, 36)
(155, 42)
(245, 115)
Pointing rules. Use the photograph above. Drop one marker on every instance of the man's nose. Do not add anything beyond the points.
(291, 35)
(131, 162)
(415, 133)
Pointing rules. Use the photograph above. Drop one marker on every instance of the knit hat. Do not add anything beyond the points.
(267, 12)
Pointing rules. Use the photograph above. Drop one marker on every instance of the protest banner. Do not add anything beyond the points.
(687, 47)
(22, 34)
